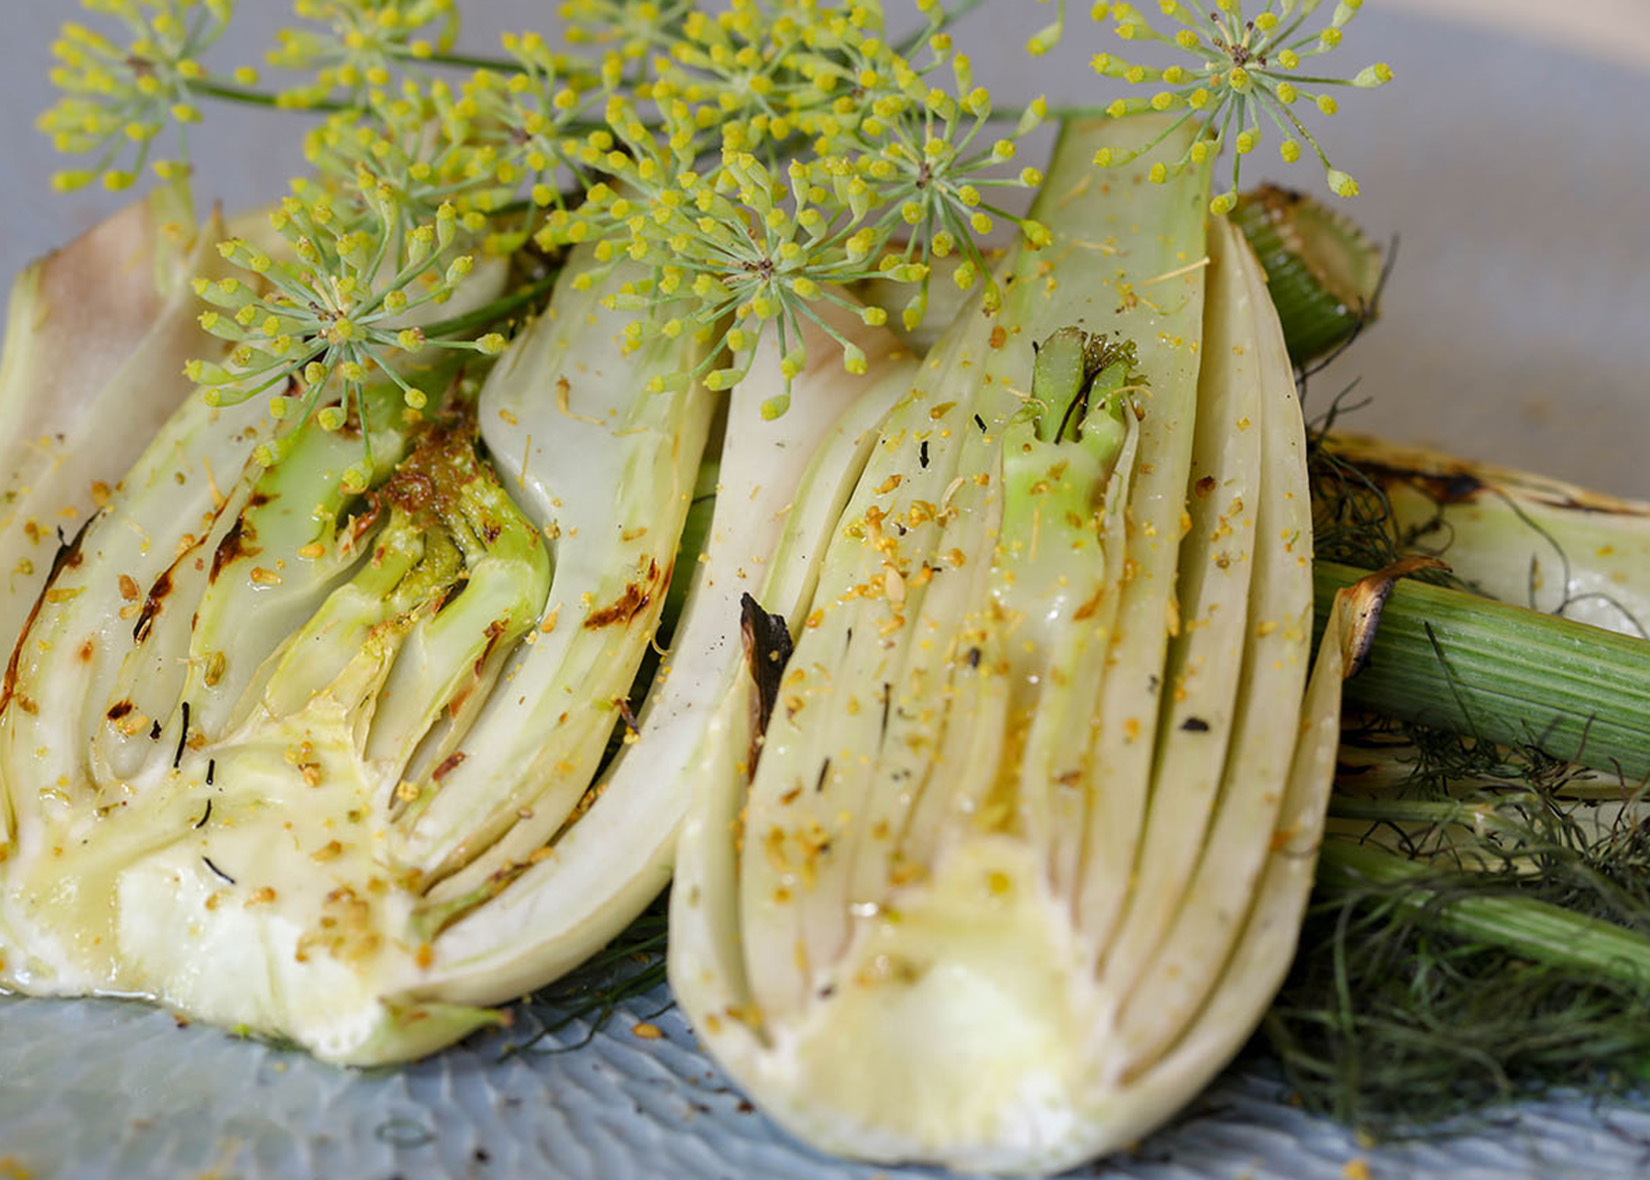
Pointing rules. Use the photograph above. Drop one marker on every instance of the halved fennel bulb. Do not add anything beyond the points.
(1010, 858)
(340, 768)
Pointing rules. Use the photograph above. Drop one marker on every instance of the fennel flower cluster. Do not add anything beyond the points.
(1245, 68)
(360, 44)
(334, 309)
(886, 171)
(117, 99)
(756, 161)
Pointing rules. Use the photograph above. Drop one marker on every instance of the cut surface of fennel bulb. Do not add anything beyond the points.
(241, 683)
(232, 870)
(1019, 859)
(341, 768)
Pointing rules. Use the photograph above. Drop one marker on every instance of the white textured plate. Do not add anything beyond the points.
(1515, 329)
(101, 1088)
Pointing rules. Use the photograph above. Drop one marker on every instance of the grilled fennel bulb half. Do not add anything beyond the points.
(1009, 858)
(305, 762)
(349, 769)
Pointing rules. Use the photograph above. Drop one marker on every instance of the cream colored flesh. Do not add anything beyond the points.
(1024, 785)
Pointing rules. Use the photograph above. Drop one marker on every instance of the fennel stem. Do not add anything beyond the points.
(496, 310)
(233, 92)
(1533, 929)
(1451, 660)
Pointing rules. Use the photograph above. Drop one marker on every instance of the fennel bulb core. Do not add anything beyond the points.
(960, 996)
(264, 914)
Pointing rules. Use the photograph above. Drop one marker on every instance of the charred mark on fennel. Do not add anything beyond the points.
(495, 631)
(824, 773)
(217, 870)
(1195, 725)
(66, 558)
(211, 773)
(1077, 408)
(767, 643)
(1455, 488)
(631, 603)
(154, 731)
(183, 737)
(448, 765)
(205, 815)
(152, 603)
(922, 454)
(1369, 597)
(450, 593)
(236, 544)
